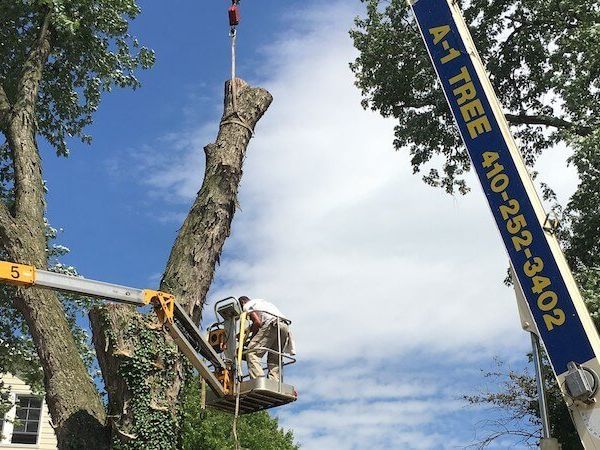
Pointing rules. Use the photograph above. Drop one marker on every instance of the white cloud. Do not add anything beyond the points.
(365, 403)
(171, 168)
(351, 425)
(554, 171)
(377, 270)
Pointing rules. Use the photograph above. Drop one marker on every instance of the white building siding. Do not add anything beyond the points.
(46, 436)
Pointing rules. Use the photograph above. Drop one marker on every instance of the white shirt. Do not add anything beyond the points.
(267, 310)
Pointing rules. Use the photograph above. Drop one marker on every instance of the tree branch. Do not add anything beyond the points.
(523, 119)
(29, 82)
(7, 221)
(29, 190)
(7, 228)
(200, 240)
(4, 108)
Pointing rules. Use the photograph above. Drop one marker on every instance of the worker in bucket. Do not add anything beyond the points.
(263, 335)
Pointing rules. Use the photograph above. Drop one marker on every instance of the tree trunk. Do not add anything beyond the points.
(76, 410)
(139, 362)
(73, 401)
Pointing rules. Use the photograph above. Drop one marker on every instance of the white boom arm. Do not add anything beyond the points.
(175, 320)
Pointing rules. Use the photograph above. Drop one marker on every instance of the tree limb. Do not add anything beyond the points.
(7, 222)
(4, 108)
(29, 192)
(71, 395)
(29, 82)
(198, 246)
(523, 119)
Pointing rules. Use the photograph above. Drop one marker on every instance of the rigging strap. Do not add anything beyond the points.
(236, 413)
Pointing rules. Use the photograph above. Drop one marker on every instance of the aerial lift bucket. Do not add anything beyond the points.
(254, 394)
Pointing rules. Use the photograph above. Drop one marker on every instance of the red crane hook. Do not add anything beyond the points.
(234, 13)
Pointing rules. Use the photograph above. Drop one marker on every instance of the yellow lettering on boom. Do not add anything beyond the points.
(479, 126)
(462, 76)
(439, 33)
(471, 108)
(465, 92)
(452, 53)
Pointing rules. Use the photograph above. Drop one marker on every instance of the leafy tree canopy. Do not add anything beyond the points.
(543, 59)
(583, 211)
(91, 51)
(206, 429)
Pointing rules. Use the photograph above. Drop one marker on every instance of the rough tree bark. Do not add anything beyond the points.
(137, 359)
(73, 401)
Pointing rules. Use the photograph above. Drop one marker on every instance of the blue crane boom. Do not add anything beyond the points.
(551, 304)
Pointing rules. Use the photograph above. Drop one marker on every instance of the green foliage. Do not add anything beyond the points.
(212, 430)
(395, 76)
(91, 51)
(589, 284)
(543, 58)
(584, 207)
(17, 353)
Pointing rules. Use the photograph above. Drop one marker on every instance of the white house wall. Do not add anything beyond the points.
(47, 438)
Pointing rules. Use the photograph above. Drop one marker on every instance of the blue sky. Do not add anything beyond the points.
(395, 289)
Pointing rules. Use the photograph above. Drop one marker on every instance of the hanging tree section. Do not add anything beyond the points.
(196, 251)
(188, 275)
